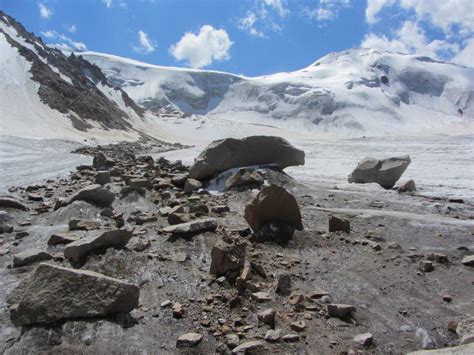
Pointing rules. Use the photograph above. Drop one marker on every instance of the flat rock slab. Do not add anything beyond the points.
(30, 256)
(222, 155)
(468, 260)
(65, 238)
(192, 227)
(80, 248)
(11, 202)
(52, 293)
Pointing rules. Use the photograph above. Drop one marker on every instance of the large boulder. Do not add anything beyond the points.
(230, 153)
(113, 238)
(273, 203)
(52, 293)
(384, 172)
(94, 194)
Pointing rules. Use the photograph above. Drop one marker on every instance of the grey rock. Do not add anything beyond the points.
(52, 293)
(6, 222)
(248, 347)
(465, 349)
(339, 224)
(341, 311)
(230, 153)
(283, 284)
(11, 202)
(138, 182)
(80, 248)
(101, 162)
(94, 194)
(30, 256)
(407, 186)
(267, 316)
(291, 338)
(188, 340)
(83, 225)
(425, 339)
(273, 203)
(468, 260)
(192, 185)
(179, 180)
(465, 331)
(102, 177)
(232, 340)
(365, 339)
(244, 177)
(196, 226)
(227, 255)
(385, 172)
(65, 238)
(272, 335)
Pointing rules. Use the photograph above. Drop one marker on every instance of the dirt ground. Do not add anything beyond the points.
(375, 268)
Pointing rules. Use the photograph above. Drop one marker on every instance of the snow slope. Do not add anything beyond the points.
(355, 92)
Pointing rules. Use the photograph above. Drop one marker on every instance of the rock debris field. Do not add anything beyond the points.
(132, 255)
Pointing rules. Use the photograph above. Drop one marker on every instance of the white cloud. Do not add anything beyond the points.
(442, 13)
(247, 24)
(108, 3)
(328, 10)
(201, 49)
(411, 39)
(72, 29)
(466, 55)
(278, 6)
(146, 44)
(66, 41)
(44, 11)
(264, 17)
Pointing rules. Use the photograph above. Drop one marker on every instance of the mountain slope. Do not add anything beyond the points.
(358, 90)
(46, 94)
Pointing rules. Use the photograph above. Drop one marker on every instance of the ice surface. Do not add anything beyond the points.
(28, 161)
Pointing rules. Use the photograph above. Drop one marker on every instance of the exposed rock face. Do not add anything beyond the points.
(52, 293)
(227, 255)
(384, 172)
(114, 238)
(244, 177)
(230, 153)
(71, 86)
(273, 203)
(192, 227)
(95, 194)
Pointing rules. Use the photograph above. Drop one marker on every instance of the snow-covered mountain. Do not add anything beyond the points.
(46, 94)
(358, 90)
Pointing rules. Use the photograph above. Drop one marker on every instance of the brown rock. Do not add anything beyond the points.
(339, 224)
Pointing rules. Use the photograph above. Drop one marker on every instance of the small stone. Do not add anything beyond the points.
(273, 336)
(248, 347)
(447, 298)
(83, 225)
(339, 224)
(317, 294)
(291, 338)
(267, 317)
(408, 186)
(452, 326)
(426, 266)
(298, 326)
(166, 304)
(468, 260)
(178, 310)
(296, 299)
(341, 311)
(192, 185)
(261, 296)
(232, 340)
(365, 339)
(188, 340)
(283, 284)
(56, 239)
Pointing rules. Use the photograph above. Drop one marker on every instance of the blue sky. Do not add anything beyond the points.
(252, 37)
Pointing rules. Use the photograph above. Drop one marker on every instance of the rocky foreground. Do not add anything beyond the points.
(131, 255)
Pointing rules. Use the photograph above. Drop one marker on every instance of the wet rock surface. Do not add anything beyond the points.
(307, 289)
